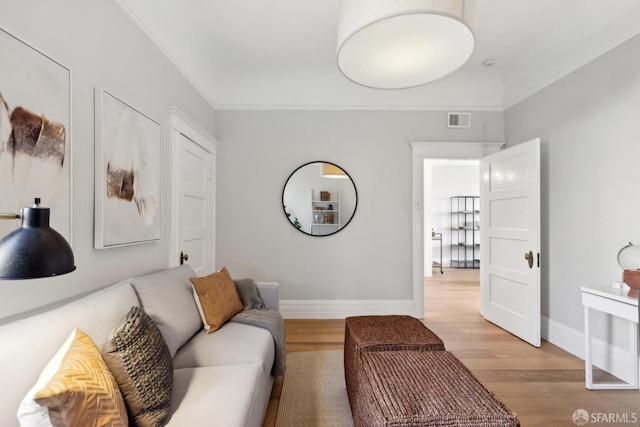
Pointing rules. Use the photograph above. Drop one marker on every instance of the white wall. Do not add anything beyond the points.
(371, 259)
(448, 178)
(103, 48)
(588, 122)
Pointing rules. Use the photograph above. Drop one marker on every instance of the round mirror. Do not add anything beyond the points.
(319, 198)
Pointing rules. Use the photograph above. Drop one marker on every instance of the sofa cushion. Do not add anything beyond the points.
(234, 343)
(141, 363)
(23, 357)
(229, 396)
(75, 388)
(216, 298)
(168, 298)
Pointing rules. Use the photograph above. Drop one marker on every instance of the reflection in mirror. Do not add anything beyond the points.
(319, 198)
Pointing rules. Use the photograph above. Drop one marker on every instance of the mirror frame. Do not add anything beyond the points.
(287, 215)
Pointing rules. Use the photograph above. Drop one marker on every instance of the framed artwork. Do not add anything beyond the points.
(128, 161)
(35, 134)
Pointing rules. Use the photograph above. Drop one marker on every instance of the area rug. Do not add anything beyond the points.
(314, 391)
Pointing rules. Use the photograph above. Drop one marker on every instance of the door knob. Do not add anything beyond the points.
(529, 257)
(183, 257)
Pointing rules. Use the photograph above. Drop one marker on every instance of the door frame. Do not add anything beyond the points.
(181, 124)
(433, 150)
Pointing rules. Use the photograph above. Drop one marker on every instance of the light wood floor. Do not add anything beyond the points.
(544, 386)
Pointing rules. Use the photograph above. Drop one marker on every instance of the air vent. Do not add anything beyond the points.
(459, 120)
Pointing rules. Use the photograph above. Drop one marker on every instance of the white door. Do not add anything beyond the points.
(194, 199)
(510, 240)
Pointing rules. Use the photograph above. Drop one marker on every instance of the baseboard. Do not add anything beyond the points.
(605, 356)
(339, 309)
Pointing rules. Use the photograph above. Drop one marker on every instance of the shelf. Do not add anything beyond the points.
(319, 213)
(465, 264)
(465, 234)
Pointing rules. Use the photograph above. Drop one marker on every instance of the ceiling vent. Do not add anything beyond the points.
(459, 120)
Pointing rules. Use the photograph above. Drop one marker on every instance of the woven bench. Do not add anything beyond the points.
(398, 374)
(384, 333)
(415, 388)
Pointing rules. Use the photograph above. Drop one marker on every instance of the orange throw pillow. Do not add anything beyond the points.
(216, 298)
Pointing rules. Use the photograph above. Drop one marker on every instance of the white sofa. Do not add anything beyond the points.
(220, 379)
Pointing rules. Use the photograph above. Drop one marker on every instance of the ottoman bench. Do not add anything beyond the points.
(416, 388)
(382, 333)
(398, 374)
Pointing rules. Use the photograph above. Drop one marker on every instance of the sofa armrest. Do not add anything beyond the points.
(269, 292)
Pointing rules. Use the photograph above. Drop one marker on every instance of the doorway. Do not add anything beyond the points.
(510, 192)
(452, 213)
(420, 152)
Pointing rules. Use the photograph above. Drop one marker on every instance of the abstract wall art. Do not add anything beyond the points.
(128, 161)
(35, 134)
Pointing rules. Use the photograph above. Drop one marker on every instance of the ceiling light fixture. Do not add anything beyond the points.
(403, 43)
(329, 170)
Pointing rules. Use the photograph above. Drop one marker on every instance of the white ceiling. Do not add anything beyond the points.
(281, 53)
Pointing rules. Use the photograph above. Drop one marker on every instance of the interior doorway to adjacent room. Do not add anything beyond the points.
(510, 225)
(451, 214)
(421, 251)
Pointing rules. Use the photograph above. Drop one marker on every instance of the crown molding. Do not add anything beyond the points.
(570, 68)
(164, 50)
(304, 107)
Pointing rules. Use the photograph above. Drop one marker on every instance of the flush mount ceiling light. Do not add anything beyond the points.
(329, 170)
(400, 44)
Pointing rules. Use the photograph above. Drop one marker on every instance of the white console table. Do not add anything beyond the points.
(617, 303)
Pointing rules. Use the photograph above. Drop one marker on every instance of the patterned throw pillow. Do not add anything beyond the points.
(76, 388)
(141, 363)
(216, 298)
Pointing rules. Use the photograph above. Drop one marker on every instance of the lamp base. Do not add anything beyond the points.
(632, 280)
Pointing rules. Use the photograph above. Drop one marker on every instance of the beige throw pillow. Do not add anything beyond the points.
(141, 363)
(216, 298)
(76, 388)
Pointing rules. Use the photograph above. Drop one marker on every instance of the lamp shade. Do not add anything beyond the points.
(35, 249)
(329, 170)
(403, 43)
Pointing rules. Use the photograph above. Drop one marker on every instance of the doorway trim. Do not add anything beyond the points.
(180, 123)
(433, 150)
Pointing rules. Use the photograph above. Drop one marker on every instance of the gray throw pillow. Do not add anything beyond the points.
(140, 361)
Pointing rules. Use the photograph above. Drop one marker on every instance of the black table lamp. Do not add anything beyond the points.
(34, 250)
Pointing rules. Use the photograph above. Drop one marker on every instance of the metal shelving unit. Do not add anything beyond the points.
(465, 232)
